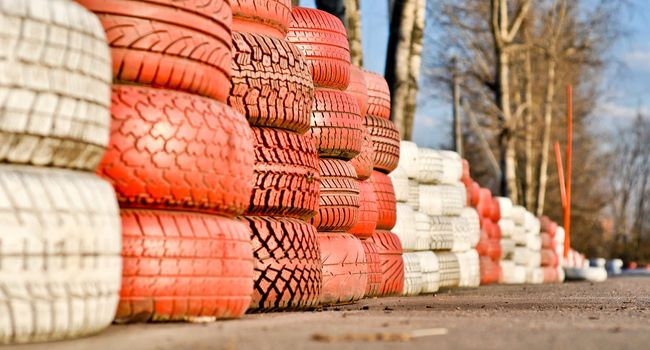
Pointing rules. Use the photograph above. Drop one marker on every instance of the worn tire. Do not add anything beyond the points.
(286, 180)
(442, 232)
(414, 194)
(448, 200)
(271, 83)
(422, 231)
(405, 228)
(178, 45)
(55, 85)
(378, 95)
(336, 128)
(392, 263)
(60, 258)
(323, 40)
(386, 205)
(180, 266)
(430, 166)
(385, 142)
(368, 212)
(449, 268)
(267, 17)
(373, 262)
(365, 160)
(174, 150)
(430, 272)
(358, 89)
(338, 209)
(412, 274)
(345, 271)
(288, 266)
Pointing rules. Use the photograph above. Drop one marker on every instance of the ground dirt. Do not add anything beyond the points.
(610, 315)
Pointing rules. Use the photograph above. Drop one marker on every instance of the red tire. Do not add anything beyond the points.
(386, 204)
(338, 208)
(174, 150)
(323, 40)
(389, 249)
(271, 83)
(368, 212)
(336, 128)
(489, 271)
(287, 263)
(483, 246)
(495, 210)
(364, 161)
(466, 178)
(286, 180)
(548, 241)
(549, 258)
(548, 225)
(378, 95)
(358, 89)
(267, 17)
(178, 45)
(551, 274)
(385, 142)
(494, 249)
(374, 268)
(177, 266)
(345, 271)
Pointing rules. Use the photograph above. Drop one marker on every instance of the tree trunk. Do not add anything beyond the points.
(546, 139)
(353, 26)
(415, 60)
(529, 186)
(397, 60)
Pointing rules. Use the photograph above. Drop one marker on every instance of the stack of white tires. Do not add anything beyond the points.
(60, 239)
(521, 245)
(432, 217)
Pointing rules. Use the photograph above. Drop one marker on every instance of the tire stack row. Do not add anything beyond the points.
(60, 237)
(272, 87)
(487, 207)
(180, 160)
(337, 133)
(437, 229)
(552, 238)
(521, 245)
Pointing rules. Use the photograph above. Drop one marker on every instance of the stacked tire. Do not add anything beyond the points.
(271, 86)
(60, 239)
(552, 238)
(180, 160)
(336, 130)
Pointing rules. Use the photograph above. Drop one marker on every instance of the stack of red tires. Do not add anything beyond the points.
(273, 88)
(180, 159)
(552, 237)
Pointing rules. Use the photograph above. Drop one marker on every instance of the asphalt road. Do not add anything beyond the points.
(610, 315)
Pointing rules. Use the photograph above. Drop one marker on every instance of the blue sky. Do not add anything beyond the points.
(626, 84)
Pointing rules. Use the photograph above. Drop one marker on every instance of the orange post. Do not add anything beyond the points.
(569, 150)
(560, 174)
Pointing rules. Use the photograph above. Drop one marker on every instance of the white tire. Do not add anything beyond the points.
(507, 227)
(461, 234)
(452, 167)
(430, 272)
(446, 200)
(533, 242)
(507, 248)
(505, 207)
(534, 258)
(518, 215)
(405, 227)
(519, 236)
(559, 235)
(55, 76)
(414, 195)
(534, 275)
(473, 225)
(560, 273)
(408, 157)
(469, 268)
(532, 224)
(430, 167)
(442, 232)
(423, 231)
(400, 185)
(520, 275)
(412, 274)
(60, 246)
(521, 256)
(449, 269)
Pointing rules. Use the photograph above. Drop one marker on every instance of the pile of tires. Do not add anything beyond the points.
(180, 159)
(433, 217)
(489, 213)
(60, 239)
(552, 238)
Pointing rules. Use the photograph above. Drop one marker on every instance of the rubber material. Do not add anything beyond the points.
(385, 142)
(59, 254)
(549, 258)
(345, 271)
(423, 231)
(174, 150)
(365, 160)
(430, 166)
(358, 89)
(452, 167)
(182, 265)
(442, 232)
(405, 227)
(271, 83)
(338, 209)
(323, 40)
(378, 95)
(368, 212)
(288, 266)
(177, 45)
(54, 85)
(336, 127)
(392, 263)
(414, 195)
(446, 200)
(373, 262)
(449, 268)
(286, 180)
(430, 272)
(412, 274)
(469, 267)
(400, 184)
(408, 158)
(490, 271)
(386, 204)
(267, 17)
